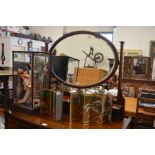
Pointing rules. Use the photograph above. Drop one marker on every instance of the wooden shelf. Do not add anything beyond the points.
(148, 81)
(144, 112)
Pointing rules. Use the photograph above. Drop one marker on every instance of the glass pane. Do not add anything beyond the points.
(22, 70)
(40, 76)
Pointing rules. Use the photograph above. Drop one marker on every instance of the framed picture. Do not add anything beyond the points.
(152, 49)
(137, 67)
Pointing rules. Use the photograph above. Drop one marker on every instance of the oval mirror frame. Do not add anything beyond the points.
(107, 77)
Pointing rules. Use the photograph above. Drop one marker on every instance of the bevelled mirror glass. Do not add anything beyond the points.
(81, 59)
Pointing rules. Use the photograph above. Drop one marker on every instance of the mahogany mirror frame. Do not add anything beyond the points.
(97, 35)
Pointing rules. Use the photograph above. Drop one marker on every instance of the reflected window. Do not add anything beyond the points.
(108, 35)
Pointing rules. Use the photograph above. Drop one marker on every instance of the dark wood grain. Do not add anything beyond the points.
(23, 120)
(1, 111)
(139, 81)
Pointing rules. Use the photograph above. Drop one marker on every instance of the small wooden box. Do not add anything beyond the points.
(86, 76)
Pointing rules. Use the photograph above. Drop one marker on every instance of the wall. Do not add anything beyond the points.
(57, 31)
(48, 31)
(68, 29)
(136, 37)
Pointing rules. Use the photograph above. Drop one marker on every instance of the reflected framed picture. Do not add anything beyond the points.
(152, 49)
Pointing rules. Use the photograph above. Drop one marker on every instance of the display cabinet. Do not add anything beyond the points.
(64, 66)
(31, 74)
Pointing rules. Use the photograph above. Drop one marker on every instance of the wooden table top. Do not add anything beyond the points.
(65, 124)
(130, 110)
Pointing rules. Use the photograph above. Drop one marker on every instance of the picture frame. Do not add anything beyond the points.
(131, 52)
(152, 49)
(137, 67)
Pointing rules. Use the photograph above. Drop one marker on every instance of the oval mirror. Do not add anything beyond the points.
(81, 59)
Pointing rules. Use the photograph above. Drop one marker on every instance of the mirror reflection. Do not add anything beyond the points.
(82, 59)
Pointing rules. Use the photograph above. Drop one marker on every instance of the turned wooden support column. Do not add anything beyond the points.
(120, 98)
